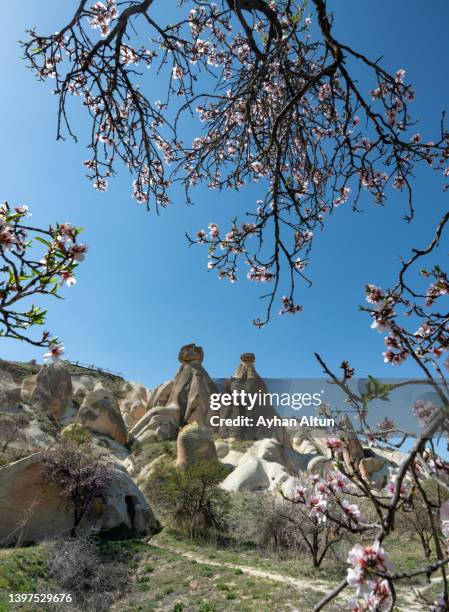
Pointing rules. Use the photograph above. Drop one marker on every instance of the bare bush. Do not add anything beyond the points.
(75, 566)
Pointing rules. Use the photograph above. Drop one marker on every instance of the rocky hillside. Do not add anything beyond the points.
(141, 428)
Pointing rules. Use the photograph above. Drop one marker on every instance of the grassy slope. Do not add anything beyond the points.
(21, 571)
(164, 581)
(159, 580)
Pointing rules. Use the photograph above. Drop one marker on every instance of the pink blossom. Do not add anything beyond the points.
(56, 350)
(177, 72)
(333, 443)
(68, 278)
(213, 230)
(78, 251)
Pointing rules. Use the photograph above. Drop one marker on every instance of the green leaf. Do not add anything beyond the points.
(46, 242)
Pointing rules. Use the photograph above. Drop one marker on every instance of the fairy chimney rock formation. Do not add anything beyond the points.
(184, 399)
(246, 378)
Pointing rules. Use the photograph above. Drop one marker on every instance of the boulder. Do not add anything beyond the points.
(100, 413)
(158, 424)
(319, 465)
(125, 504)
(250, 476)
(32, 509)
(309, 441)
(134, 405)
(232, 458)
(52, 391)
(195, 445)
(264, 467)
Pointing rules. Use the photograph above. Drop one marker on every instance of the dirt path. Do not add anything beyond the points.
(299, 583)
(407, 594)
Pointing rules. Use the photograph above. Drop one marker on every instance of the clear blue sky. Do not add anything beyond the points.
(142, 293)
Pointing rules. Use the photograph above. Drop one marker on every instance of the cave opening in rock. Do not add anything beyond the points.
(130, 501)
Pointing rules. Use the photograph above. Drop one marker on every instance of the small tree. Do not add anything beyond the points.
(190, 497)
(290, 525)
(82, 472)
(415, 520)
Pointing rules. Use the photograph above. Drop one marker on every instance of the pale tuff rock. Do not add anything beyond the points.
(319, 465)
(117, 453)
(195, 445)
(52, 392)
(6, 380)
(192, 387)
(232, 458)
(32, 509)
(100, 413)
(252, 476)
(372, 467)
(309, 442)
(158, 424)
(265, 466)
(82, 385)
(125, 504)
(35, 438)
(10, 393)
(160, 395)
(28, 384)
(134, 405)
(374, 470)
(247, 379)
(181, 405)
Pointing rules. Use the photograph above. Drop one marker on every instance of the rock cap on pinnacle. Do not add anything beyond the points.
(190, 352)
(248, 357)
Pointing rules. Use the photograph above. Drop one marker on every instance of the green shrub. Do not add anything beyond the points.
(191, 499)
(3, 459)
(77, 434)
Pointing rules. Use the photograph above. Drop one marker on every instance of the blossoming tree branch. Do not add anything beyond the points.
(422, 479)
(26, 272)
(272, 104)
